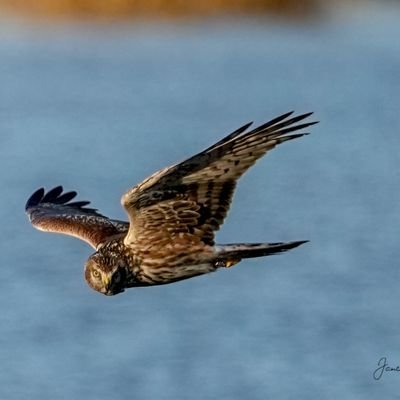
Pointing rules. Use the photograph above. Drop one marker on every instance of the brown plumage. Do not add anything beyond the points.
(173, 215)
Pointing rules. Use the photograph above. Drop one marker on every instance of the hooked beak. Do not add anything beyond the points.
(106, 282)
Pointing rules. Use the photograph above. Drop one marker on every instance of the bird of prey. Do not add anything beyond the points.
(173, 215)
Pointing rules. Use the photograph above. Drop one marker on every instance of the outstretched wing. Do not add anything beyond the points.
(54, 212)
(190, 200)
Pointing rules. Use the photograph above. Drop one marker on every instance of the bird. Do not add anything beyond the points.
(173, 215)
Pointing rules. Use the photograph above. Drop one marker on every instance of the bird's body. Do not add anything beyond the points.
(173, 215)
(137, 269)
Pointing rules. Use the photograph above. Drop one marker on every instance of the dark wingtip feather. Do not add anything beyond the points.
(241, 129)
(291, 137)
(231, 136)
(279, 118)
(52, 194)
(35, 198)
(279, 123)
(305, 115)
(65, 197)
(79, 204)
(56, 197)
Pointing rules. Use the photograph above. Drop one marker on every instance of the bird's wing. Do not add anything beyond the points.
(54, 212)
(190, 200)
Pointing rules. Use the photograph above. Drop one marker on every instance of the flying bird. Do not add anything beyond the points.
(173, 215)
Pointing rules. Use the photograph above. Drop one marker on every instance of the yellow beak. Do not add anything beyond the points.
(106, 281)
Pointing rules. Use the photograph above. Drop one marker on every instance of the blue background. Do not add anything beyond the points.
(97, 108)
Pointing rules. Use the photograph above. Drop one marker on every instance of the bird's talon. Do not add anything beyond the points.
(226, 264)
(230, 263)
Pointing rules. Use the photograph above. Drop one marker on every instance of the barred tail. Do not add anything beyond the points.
(238, 251)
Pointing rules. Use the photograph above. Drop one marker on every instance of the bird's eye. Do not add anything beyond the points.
(96, 273)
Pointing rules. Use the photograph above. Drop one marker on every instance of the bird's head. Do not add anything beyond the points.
(105, 274)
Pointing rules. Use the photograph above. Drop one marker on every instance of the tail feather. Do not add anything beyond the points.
(239, 251)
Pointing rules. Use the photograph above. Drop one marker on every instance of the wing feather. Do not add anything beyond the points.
(53, 212)
(206, 182)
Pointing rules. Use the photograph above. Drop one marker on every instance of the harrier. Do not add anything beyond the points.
(173, 215)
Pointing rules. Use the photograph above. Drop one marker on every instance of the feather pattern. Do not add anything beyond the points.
(173, 215)
(53, 212)
(202, 185)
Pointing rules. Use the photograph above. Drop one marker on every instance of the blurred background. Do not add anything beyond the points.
(97, 95)
(153, 8)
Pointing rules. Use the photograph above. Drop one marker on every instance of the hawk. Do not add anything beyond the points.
(173, 215)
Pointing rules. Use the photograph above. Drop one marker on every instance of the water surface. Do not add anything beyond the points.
(99, 108)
